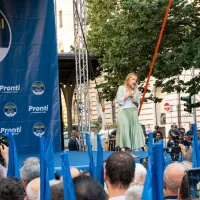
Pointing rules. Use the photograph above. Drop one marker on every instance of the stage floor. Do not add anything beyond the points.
(78, 159)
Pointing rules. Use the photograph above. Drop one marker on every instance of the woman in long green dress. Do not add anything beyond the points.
(129, 134)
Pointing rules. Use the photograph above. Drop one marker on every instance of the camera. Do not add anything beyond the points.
(173, 147)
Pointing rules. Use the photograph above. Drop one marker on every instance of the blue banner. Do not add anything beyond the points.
(29, 87)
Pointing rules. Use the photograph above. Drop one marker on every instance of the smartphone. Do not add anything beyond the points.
(193, 176)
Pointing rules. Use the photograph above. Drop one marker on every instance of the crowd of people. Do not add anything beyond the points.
(124, 180)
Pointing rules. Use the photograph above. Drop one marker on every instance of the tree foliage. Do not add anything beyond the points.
(124, 33)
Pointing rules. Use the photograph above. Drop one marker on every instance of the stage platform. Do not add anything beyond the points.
(78, 159)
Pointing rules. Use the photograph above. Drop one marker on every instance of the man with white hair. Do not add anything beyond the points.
(134, 193)
(173, 176)
(136, 188)
(30, 170)
(140, 175)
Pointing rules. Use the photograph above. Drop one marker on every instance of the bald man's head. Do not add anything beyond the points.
(33, 189)
(173, 176)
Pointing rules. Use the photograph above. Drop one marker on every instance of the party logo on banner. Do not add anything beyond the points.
(42, 109)
(9, 89)
(38, 88)
(5, 36)
(39, 129)
(10, 109)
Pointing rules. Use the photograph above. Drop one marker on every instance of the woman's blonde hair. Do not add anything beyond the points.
(130, 75)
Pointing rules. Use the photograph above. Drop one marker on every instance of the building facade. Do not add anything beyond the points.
(151, 113)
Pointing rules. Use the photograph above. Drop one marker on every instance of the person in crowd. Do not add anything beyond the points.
(190, 131)
(4, 154)
(119, 174)
(33, 189)
(57, 191)
(129, 135)
(156, 130)
(182, 130)
(134, 193)
(183, 192)
(104, 134)
(145, 135)
(159, 136)
(57, 176)
(11, 189)
(73, 144)
(171, 129)
(173, 175)
(136, 188)
(140, 175)
(86, 187)
(186, 141)
(99, 119)
(148, 129)
(85, 173)
(187, 154)
(30, 170)
(174, 130)
(74, 173)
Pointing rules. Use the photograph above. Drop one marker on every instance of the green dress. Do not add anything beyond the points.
(129, 132)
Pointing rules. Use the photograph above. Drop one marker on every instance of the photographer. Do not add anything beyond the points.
(174, 130)
(190, 131)
(173, 147)
(182, 130)
(186, 141)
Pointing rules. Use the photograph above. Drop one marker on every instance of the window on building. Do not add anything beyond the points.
(60, 19)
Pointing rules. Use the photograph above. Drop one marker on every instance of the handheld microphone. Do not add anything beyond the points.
(132, 87)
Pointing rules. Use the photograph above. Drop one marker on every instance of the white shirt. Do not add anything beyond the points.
(117, 198)
(148, 129)
(104, 133)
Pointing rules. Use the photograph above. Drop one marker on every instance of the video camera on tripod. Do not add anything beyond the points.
(173, 147)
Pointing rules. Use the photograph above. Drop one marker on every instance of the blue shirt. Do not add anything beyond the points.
(190, 132)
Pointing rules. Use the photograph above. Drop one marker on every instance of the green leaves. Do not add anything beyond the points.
(124, 35)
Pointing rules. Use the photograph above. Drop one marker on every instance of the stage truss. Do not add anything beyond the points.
(81, 60)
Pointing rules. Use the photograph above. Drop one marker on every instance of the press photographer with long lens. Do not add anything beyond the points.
(3, 151)
(176, 139)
